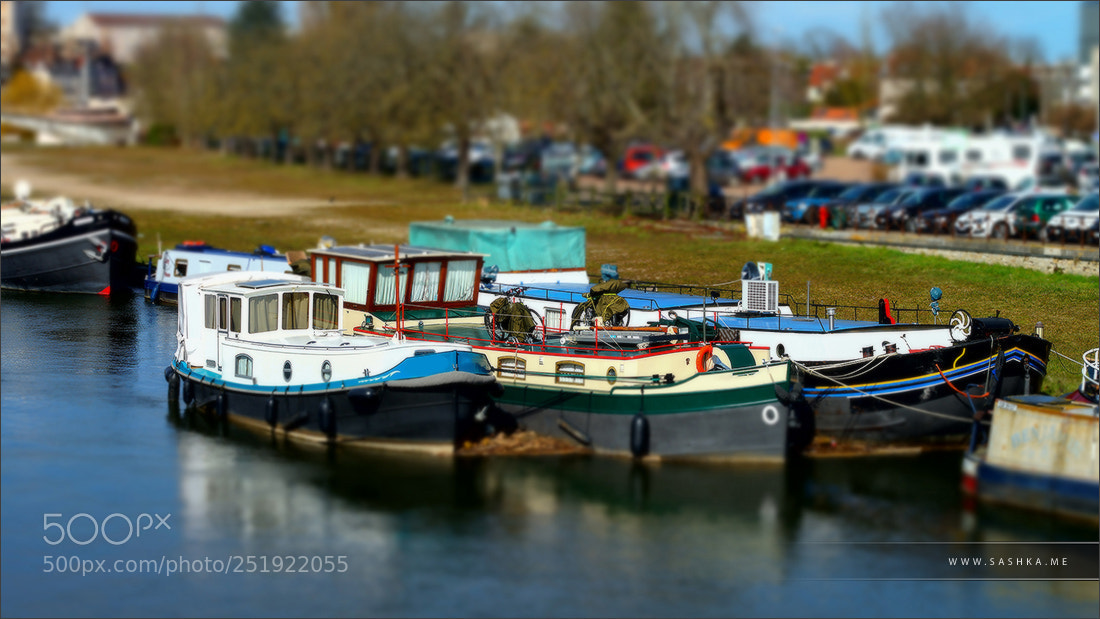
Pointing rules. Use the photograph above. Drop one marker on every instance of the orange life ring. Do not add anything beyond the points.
(705, 353)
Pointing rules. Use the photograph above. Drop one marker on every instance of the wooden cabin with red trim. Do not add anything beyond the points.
(391, 282)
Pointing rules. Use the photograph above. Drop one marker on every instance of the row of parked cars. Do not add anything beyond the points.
(724, 167)
(973, 210)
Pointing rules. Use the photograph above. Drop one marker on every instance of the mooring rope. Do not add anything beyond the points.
(1067, 358)
(867, 368)
(886, 400)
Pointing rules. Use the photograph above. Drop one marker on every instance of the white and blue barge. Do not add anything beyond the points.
(193, 258)
(268, 351)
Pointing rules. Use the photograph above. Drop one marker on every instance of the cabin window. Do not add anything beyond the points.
(918, 158)
(181, 268)
(234, 267)
(244, 366)
(295, 310)
(555, 319)
(210, 304)
(948, 156)
(973, 155)
(384, 291)
(318, 267)
(263, 313)
(355, 279)
(512, 367)
(461, 280)
(1021, 152)
(235, 315)
(425, 284)
(569, 373)
(326, 309)
(332, 273)
(223, 313)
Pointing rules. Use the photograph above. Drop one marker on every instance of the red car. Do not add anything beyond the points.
(759, 166)
(642, 161)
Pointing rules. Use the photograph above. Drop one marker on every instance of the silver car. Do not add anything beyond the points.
(863, 215)
(1074, 223)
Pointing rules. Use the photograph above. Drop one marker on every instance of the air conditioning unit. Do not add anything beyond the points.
(760, 296)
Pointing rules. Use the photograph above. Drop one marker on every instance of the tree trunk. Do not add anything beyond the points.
(402, 161)
(462, 173)
(375, 155)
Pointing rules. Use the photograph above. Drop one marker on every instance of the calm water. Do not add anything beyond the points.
(87, 429)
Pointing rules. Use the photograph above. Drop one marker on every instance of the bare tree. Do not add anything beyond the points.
(465, 41)
(613, 90)
(694, 111)
(174, 82)
(947, 65)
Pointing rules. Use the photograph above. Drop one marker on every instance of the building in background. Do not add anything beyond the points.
(14, 35)
(122, 35)
(1096, 89)
(1089, 18)
(1089, 25)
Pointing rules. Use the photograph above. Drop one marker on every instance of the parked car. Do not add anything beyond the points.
(773, 198)
(862, 214)
(925, 179)
(1088, 177)
(1075, 223)
(722, 170)
(805, 209)
(900, 216)
(673, 164)
(1001, 218)
(943, 219)
(853, 195)
(1031, 217)
(984, 182)
(480, 160)
(642, 161)
(1047, 183)
(761, 165)
(967, 223)
(591, 162)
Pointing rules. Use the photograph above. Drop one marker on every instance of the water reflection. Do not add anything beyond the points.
(96, 335)
(573, 501)
(427, 536)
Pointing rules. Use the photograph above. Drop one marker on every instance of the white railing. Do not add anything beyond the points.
(1090, 373)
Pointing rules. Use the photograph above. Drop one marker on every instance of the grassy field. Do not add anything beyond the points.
(379, 209)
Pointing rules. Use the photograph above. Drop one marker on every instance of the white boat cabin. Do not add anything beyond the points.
(192, 258)
(382, 280)
(254, 307)
(25, 219)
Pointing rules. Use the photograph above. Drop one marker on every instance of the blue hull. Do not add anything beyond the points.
(426, 401)
(1062, 495)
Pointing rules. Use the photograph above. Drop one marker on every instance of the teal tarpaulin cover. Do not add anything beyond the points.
(510, 245)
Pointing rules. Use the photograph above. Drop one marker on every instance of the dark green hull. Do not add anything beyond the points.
(745, 423)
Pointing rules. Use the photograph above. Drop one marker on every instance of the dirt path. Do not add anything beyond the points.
(47, 183)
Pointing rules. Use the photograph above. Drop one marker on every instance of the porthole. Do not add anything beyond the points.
(611, 376)
(287, 371)
(326, 371)
(780, 350)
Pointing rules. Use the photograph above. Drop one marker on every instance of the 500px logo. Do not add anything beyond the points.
(115, 529)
